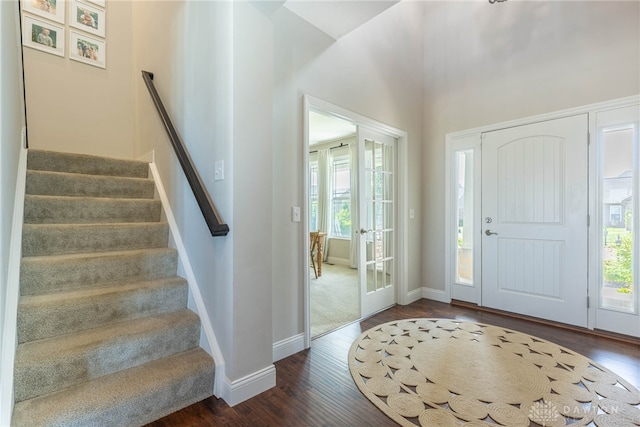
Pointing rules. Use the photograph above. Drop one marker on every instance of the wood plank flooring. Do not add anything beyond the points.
(314, 387)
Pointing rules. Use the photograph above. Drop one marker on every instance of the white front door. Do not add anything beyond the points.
(534, 219)
(377, 212)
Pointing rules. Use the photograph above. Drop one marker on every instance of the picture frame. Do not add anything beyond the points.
(87, 18)
(54, 10)
(43, 35)
(101, 3)
(86, 49)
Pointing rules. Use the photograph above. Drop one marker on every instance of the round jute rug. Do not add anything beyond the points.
(442, 372)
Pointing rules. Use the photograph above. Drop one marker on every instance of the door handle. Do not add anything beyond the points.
(489, 232)
(363, 231)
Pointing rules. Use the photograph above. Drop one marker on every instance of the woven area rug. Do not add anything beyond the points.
(441, 372)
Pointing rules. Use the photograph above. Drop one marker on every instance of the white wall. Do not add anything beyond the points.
(252, 189)
(212, 67)
(486, 64)
(78, 108)
(11, 124)
(374, 71)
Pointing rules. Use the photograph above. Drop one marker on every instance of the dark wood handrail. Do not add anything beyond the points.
(211, 216)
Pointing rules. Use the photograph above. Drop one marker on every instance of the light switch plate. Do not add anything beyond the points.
(295, 214)
(219, 171)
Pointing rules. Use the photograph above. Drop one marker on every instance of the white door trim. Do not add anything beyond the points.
(450, 139)
(311, 102)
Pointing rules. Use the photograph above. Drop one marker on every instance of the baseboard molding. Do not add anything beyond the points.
(247, 387)
(211, 344)
(414, 296)
(148, 157)
(288, 346)
(8, 339)
(338, 261)
(436, 295)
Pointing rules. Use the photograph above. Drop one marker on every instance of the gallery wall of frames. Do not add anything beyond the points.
(72, 28)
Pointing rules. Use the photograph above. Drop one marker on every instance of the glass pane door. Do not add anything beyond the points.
(377, 220)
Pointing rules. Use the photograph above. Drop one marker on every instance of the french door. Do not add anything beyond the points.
(534, 219)
(376, 231)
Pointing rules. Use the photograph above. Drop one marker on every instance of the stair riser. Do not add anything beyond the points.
(73, 210)
(78, 163)
(50, 318)
(73, 366)
(61, 184)
(49, 274)
(39, 240)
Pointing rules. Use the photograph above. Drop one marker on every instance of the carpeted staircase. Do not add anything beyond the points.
(105, 336)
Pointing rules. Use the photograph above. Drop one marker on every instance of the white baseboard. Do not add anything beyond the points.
(414, 295)
(287, 347)
(338, 261)
(247, 387)
(149, 157)
(8, 337)
(436, 295)
(210, 342)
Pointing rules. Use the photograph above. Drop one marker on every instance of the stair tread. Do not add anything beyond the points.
(105, 254)
(72, 184)
(89, 176)
(92, 226)
(142, 394)
(72, 199)
(82, 163)
(107, 289)
(45, 239)
(56, 347)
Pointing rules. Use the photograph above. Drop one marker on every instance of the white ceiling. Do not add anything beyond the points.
(338, 17)
(326, 128)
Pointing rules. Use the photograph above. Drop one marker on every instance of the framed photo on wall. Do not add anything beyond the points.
(50, 9)
(43, 35)
(87, 49)
(101, 3)
(87, 18)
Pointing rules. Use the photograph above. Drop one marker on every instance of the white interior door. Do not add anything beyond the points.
(377, 213)
(534, 219)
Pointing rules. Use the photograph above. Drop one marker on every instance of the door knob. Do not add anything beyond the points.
(363, 231)
(489, 232)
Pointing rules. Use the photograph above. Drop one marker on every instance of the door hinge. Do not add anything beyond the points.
(588, 220)
(588, 302)
(588, 138)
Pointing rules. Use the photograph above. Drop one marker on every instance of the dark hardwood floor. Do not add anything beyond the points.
(314, 387)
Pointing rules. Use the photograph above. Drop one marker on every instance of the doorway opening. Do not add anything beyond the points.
(354, 227)
(333, 284)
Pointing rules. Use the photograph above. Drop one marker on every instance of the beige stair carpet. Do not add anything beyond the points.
(105, 335)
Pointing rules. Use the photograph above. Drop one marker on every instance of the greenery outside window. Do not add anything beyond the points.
(341, 197)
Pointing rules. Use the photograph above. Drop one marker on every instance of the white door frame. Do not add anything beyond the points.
(457, 140)
(309, 103)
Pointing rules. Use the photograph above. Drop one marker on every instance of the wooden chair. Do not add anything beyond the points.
(315, 251)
